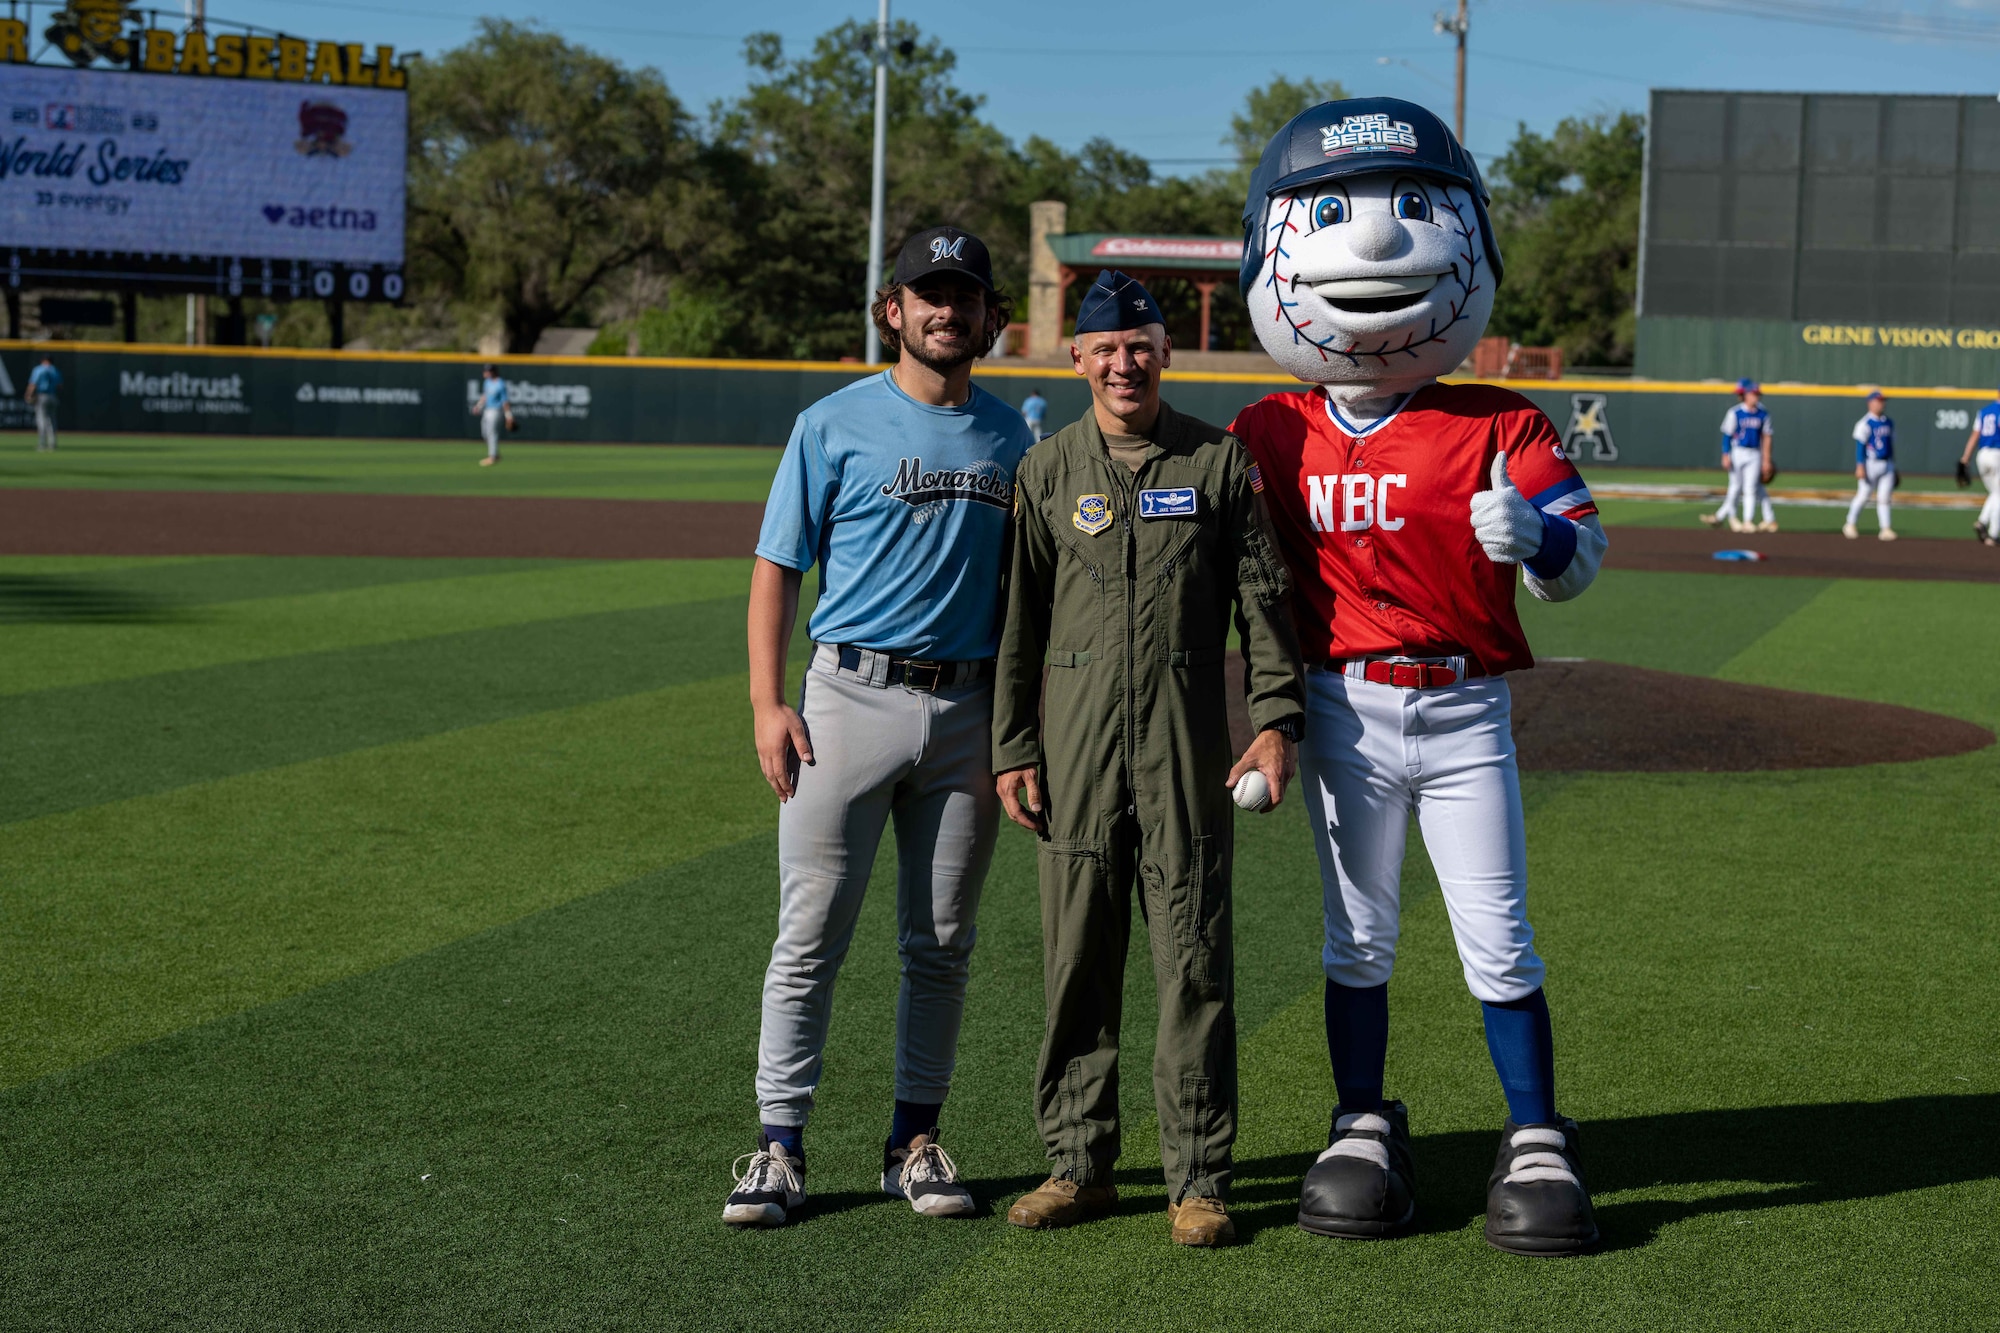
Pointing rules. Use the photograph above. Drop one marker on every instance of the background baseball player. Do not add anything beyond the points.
(1746, 457)
(1984, 441)
(494, 412)
(1874, 468)
(1033, 409)
(44, 395)
(899, 487)
(1403, 507)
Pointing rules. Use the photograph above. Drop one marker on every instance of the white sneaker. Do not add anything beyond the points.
(926, 1176)
(770, 1192)
(1768, 525)
(1849, 531)
(1886, 535)
(1712, 520)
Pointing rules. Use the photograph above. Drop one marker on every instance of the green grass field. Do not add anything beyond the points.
(380, 944)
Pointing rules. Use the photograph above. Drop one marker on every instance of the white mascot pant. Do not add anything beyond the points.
(1372, 754)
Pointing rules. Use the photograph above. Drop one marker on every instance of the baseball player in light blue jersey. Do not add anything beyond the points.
(494, 412)
(900, 488)
(1746, 457)
(43, 394)
(1874, 468)
(1033, 409)
(1985, 443)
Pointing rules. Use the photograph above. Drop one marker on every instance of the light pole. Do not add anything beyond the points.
(1455, 26)
(870, 340)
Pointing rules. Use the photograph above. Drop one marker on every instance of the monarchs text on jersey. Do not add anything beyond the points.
(1376, 523)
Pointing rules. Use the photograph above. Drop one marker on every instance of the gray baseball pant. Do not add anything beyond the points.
(490, 422)
(45, 421)
(881, 752)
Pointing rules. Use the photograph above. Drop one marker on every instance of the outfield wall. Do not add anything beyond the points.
(234, 391)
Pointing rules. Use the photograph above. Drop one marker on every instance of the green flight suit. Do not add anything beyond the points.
(1131, 613)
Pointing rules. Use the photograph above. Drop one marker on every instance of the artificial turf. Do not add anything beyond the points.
(381, 943)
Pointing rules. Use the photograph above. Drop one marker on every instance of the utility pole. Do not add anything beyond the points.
(871, 342)
(1455, 26)
(197, 306)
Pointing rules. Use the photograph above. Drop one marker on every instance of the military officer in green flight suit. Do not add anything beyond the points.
(1137, 533)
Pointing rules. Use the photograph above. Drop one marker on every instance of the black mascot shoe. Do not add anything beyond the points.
(1363, 1187)
(1536, 1202)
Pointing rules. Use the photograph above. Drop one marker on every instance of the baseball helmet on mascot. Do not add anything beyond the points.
(1368, 257)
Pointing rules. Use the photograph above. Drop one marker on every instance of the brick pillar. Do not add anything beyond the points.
(1047, 217)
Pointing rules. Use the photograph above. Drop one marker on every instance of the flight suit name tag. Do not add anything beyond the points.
(1093, 514)
(1172, 502)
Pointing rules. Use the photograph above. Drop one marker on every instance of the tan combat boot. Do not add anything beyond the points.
(1057, 1202)
(1201, 1221)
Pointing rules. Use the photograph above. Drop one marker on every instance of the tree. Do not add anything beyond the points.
(1267, 110)
(796, 252)
(1566, 211)
(538, 169)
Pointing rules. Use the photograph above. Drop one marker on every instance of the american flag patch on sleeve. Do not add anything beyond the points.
(1256, 479)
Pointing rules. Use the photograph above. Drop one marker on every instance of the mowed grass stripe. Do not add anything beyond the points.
(425, 467)
(120, 923)
(1692, 623)
(120, 739)
(158, 588)
(43, 657)
(1727, 1011)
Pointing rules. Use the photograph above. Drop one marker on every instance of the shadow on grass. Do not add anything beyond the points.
(1756, 1158)
(66, 599)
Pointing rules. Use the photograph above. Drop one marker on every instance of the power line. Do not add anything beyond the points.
(1920, 27)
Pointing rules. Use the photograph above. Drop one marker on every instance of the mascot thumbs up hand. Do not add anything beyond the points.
(1403, 507)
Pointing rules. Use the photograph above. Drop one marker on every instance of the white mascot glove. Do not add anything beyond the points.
(1507, 526)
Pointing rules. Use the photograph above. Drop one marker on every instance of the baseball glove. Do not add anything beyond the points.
(511, 423)
(1770, 474)
(1964, 475)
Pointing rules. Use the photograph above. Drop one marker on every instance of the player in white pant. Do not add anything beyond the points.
(1874, 468)
(494, 412)
(1985, 443)
(1746, 457)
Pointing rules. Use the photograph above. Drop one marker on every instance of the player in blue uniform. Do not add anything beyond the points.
(1874, 467)
(1985, 442)
(494, 410)
(44, 384)
(1746, 457)
(1033, 409)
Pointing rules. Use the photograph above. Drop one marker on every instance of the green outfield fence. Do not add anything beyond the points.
(424, 395)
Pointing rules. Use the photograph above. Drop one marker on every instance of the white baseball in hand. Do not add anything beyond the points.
(1252, 792)
(1507, 527)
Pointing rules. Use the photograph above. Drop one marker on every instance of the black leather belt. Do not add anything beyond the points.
(917, 674)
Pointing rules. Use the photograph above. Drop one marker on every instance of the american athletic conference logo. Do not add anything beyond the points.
(1589, 423)
(919, 489)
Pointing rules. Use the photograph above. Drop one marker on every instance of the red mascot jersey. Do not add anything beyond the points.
(1376, 524)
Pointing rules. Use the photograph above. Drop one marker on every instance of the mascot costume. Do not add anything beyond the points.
(1403, 507)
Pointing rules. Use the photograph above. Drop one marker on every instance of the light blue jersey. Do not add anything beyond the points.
(904, 507)
(1033, 408)
(496, 393)
(1988, 423)
(44, 379)
(1874, 439)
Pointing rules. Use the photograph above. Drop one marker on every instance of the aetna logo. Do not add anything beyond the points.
(914, 486)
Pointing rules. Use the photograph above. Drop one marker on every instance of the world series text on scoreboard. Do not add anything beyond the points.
(235, 164)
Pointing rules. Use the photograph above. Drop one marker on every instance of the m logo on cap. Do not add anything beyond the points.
(942, 249)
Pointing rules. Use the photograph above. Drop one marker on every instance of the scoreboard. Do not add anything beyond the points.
(232, 187)
(1834, 207)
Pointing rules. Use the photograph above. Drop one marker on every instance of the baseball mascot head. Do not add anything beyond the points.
(1369, 264)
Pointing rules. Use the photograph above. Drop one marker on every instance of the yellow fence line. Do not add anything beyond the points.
(1580, 384)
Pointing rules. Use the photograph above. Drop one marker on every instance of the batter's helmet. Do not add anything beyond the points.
(1347, 138)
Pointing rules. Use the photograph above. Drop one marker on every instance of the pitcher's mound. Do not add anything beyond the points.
(1604, 717)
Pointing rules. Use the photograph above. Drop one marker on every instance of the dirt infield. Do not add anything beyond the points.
(1604, 717)
(107, 522)
(83, 522)
(1803, 555)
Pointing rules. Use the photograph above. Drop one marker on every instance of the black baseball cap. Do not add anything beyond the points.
(943, 250)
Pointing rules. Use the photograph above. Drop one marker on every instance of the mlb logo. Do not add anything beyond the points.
(59, 117)
(1176, 502)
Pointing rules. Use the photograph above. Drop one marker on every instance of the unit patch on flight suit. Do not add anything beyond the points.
(1093, 514)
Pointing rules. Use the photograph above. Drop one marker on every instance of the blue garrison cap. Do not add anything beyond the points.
(1116, 301)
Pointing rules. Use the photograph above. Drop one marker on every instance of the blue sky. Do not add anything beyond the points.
(1163, 78)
